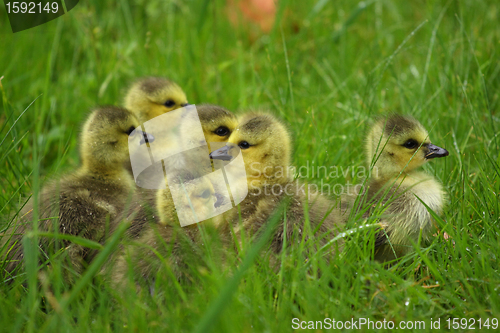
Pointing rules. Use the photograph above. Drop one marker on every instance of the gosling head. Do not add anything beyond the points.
(153, 96)
(105, 138)
(186, 200)
(217, 124)
(399, 144)
(265, 146)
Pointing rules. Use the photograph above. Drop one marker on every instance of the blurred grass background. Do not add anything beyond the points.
(327, 68)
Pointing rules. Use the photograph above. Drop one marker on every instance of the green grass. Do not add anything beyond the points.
(326, 68)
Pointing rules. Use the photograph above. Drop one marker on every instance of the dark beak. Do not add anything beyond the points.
(221, 154)
(146, 138)
(185, 104)
(435, 151)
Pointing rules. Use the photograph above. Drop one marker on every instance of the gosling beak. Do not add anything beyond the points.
(146, 138)
(185, 104)
(435, 151)
(221, 154)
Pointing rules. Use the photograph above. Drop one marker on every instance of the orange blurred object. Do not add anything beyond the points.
(260, 13)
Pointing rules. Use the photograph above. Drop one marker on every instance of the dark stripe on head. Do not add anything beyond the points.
(258, 123)
(112, 113)
(152, 84)
(209, 112)
(398, 124)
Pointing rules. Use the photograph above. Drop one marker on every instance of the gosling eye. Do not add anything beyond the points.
(169, 103)
(222, 131)
(130, 130)
(410, 144)
(244, 145)
(205, 194)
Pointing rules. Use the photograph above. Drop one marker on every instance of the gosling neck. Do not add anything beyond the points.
(386, 168)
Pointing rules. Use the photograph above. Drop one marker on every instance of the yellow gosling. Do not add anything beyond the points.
(80, 203)
(397, 146)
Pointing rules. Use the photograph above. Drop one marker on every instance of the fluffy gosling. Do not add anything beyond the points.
(81, 202)
(396, 147)
(163, 238)
(265, 145)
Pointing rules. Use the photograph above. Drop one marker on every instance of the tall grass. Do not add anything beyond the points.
(326, 68)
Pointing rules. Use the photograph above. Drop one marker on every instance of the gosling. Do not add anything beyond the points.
(83, 200)
(265, 145)
(152, 207)
(161, 235)
(396, 147)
